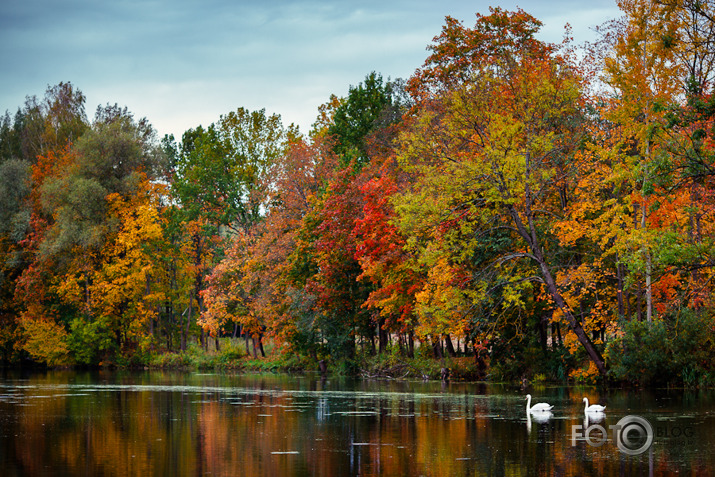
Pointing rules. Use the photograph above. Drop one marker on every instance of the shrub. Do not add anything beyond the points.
(46, 341)
(89, 341)
(677, 349)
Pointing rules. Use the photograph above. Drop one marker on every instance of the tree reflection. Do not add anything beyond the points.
(160, 426)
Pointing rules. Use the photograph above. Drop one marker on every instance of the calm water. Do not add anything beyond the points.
(171, 424)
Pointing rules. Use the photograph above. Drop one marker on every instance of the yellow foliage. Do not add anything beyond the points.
(442, 307)
(45, 341)
(116, 281)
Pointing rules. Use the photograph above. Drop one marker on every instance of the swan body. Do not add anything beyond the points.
(593, 408)
(538, 407)
(593, 417)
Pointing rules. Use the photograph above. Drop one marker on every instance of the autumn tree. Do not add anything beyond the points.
(74, 223)
(644, 76)
(122, 299)
(643, 192)
(499, 117)
(285, 254)
(688, 140)
(222, 183)
(42, 127)
(253, 284)
(361, 131)
(384, 258)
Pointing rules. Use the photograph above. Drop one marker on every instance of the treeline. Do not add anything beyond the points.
(545, 210)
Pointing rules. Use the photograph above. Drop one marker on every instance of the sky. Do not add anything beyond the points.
(184, 63)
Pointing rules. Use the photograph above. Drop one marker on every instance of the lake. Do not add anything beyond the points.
(173, 424)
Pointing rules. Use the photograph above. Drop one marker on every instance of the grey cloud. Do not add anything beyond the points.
(174, 61)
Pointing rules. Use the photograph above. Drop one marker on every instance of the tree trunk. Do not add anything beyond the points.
(479, 359)
(530, 236)
(639, 301)
(244, 333)
(558, 334)
(449, 345)
(694, 236)
(541, 327)
(437, 347)
(573, 322)
(185, 337)
(382, 335)
(648, 271)
(644, 214)
(619, 291)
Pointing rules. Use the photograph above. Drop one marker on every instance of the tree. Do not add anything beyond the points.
(119, 298)
(284, 252)
(221, 173)
(42, 128)
(252, 283)
(222, 183)
(370, 106)
(643, 193)
(74, 220)
(499, 115)
(383, 257)
(110, 158)
(642, 72)
(43, 125)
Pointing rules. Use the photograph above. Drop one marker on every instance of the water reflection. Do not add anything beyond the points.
(541, 417)
(65, 423)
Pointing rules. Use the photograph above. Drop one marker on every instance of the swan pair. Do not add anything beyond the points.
(543, 407)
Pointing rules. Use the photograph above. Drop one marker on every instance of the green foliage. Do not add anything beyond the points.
(222, 172)
(677, 349)
(512, 360)
(10, 137)
(43, 124)
(642, 355)
(370, 106)
(14, 190)
(110, 159)
(231, 357)
(171, 360)
(91, 342)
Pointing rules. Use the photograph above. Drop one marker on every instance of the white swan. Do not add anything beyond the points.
(593, 408)
(538, 407)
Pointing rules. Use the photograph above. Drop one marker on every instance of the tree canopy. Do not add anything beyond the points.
(537, 208)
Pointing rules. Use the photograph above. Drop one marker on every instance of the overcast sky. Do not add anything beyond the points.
(184, 63)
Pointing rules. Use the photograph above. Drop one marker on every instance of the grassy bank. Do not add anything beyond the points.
(232, 356)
